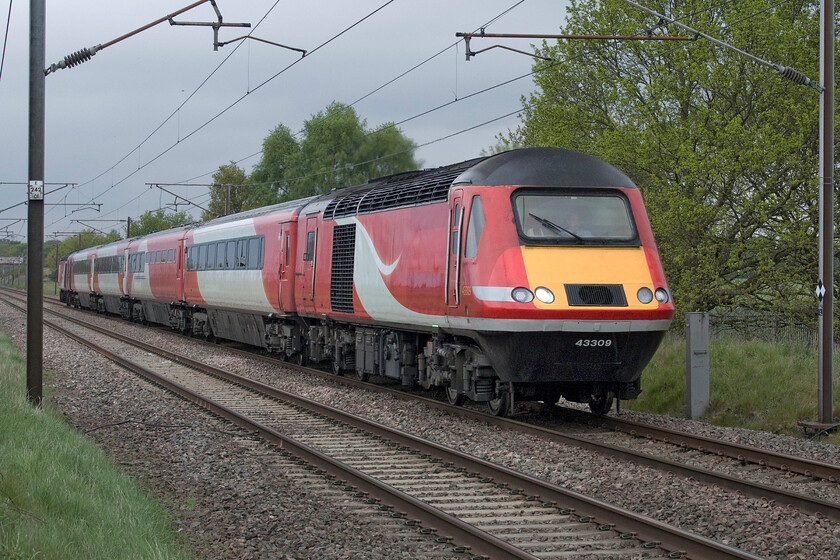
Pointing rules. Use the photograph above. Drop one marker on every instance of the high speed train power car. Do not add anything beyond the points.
(527, 275)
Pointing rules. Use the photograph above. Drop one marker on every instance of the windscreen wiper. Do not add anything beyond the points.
(559, 229)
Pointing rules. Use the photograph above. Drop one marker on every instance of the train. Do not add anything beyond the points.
(527, 275)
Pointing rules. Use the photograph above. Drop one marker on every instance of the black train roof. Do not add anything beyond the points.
(528, 166)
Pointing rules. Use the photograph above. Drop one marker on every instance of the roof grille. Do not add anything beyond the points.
(405, 189)
(596, 295)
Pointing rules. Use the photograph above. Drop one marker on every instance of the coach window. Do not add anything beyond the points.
(474, 228)
(241, 253)
(254, 253)
(262, 251)
(192, 258)
(231, 255)
(211, 256)
(171, 257)
(202, 257)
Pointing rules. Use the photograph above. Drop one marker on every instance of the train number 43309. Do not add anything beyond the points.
(594, 342)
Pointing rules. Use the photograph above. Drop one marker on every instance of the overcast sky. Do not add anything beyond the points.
(100, 115)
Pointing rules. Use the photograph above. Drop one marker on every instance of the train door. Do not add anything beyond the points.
(124, 271)
(287, 266)
(179, 271)
(453, 259)
(307, 260)
(90, 274)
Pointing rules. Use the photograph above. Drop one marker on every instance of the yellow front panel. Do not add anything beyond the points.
(552, 267)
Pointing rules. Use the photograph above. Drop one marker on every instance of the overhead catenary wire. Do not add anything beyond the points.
(244, 96)
(784, 71)
(115, 184)
(497, 17)
(401, 75)
(426, 112)
(181, 106)
(400, 122)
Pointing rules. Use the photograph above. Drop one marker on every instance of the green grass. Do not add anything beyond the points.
(60, 496)
(50, 287)
(753, 384)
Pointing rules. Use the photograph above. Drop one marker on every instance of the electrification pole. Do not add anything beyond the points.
(35, 223)
(826, 416)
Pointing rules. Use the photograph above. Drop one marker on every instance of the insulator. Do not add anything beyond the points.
(794, 76)
(77, 57)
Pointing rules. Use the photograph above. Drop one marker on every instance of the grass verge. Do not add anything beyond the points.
(753, 384)
(60, 496)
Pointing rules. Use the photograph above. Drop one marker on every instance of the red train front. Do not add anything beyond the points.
(531, 274)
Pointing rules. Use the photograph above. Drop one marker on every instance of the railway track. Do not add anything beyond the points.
(810, 486)
(489, 510)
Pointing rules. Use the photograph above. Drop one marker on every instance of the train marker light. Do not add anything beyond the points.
(522, 295)
(662, 295)
(645, 295)
(544, 295)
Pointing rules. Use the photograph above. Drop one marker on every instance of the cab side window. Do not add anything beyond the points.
(309, 256)
(474, 228)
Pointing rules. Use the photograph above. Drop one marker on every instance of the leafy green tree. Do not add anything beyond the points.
(724, 151)
(268, 181)
(336, 150)
(227, 177)
(10, 248)
(159, 220)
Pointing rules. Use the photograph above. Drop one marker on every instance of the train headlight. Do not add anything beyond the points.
(544, 295)
(662, 295)
(522, 295)
(644, 295)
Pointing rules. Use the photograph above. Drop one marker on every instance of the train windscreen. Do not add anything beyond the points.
(547, 217)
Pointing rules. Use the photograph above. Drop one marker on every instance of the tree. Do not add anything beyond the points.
(229, 178)
(268, 180)
(724, 151)
(10, 248)
(159, 220)
(336, 150)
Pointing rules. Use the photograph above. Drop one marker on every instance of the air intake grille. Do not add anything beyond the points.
(341, 280)
(596, 295)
